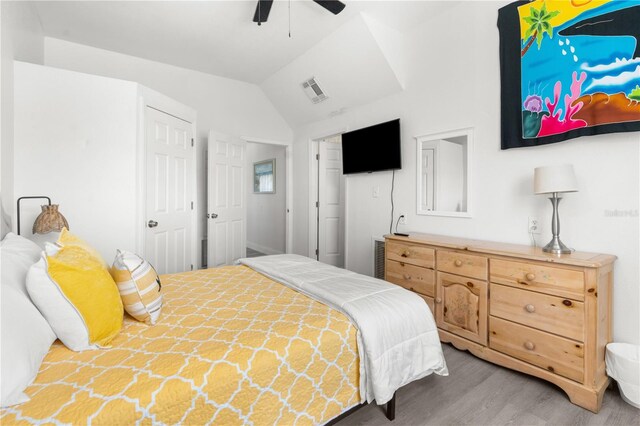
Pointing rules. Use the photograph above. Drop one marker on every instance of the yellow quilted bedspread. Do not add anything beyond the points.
(231, 347)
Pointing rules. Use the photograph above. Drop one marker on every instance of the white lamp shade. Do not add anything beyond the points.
(554, 179)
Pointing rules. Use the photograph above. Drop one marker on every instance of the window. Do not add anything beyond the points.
(264, 177)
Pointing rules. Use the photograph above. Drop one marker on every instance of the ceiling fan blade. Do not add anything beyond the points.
(262, 11)
(333, 6)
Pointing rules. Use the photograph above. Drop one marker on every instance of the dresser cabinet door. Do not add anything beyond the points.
(461, 306)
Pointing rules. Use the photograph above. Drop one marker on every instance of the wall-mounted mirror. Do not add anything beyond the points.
(264, 177)
(444, 173)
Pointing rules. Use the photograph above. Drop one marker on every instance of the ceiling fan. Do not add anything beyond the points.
(264, 7)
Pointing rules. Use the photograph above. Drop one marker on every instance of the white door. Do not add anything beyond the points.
(227, 211)
(428, 179)
(330, 202)
(169, 189)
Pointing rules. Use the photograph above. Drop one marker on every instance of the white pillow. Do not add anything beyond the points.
(25, 336)
(25, 339)
(17, 254)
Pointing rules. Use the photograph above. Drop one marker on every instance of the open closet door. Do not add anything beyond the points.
(227, 208)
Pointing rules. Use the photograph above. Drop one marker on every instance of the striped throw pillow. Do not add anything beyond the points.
(139, 286)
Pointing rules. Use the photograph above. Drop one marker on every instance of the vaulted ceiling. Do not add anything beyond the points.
(219, 37)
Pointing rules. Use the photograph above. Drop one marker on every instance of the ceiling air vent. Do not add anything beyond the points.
(313, 90)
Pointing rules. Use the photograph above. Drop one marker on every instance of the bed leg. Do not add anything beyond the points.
(391, 408)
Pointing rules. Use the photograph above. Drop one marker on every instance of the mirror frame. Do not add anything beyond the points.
(468, 132)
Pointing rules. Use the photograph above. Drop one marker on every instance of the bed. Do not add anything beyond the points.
(232, 346)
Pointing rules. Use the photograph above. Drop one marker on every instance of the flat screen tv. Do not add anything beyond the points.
(372, 149)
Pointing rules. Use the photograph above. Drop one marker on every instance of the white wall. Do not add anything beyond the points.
(21, 39)
(266, 213)
(456, 84)
(224, 105)
(82, 152)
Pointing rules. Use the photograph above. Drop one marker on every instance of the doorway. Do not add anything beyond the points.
(230, 184)
(327, 196)
(266, 199)
(226, 201)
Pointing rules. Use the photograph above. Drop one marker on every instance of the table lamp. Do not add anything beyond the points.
(554, 180)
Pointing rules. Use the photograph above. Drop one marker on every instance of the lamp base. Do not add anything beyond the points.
(556, 246)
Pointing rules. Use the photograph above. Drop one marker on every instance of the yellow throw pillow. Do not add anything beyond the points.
(139, 286)
(76, 294)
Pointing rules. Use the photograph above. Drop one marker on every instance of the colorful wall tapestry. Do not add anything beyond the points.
(568, 68)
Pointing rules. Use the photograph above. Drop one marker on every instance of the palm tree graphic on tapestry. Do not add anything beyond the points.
(539, 24)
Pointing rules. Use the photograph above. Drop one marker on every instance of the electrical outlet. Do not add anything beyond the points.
(376, 192)
(403, 220)
(534, 225)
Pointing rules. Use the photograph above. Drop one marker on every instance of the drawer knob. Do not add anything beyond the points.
(458, 262)
(530, 276)
(406, 253)
(529, 345)
(407, 276)
(530, 308)
(438, 300)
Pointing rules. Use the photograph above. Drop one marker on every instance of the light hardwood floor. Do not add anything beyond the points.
(477, 392)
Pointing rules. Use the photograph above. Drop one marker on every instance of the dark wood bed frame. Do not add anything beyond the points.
(390, 411)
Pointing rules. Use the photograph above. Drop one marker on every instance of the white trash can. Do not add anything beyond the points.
(623, 365)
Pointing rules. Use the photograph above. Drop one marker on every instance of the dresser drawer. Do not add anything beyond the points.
(462, 264)
(537, 277)
(548, 313)
(414, 278)
(556, 354)
(410, 253)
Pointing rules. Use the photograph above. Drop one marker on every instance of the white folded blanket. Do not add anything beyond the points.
(397, 335)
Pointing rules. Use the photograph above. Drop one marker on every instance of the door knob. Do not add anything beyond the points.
(213, 215)
(152, 224)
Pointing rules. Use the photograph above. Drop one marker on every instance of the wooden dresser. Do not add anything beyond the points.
(515, 306)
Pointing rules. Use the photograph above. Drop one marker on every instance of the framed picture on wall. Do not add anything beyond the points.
(568, 69)
(264, 177)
